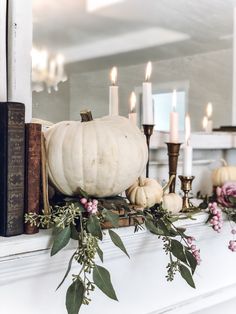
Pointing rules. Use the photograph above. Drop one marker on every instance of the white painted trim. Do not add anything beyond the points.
(200, 302)
(195, 162)
(199, 140)
(234, 72)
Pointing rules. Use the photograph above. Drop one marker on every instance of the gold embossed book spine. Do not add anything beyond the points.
(12, 166)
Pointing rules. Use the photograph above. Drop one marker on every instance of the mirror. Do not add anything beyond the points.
(189, 43)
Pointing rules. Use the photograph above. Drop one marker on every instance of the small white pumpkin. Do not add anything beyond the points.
(103, 156)
(223, 174)
(145, 192)
(172, 202)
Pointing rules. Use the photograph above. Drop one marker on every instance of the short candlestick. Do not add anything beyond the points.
(186, 186)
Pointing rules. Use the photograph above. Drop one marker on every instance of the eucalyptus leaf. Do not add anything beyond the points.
(185, 273)
(233, 217)
(61, 239)
(112, 217)
(102, 280)
(191, 260)
(74, 233)
(67, 271)
(164, 227)
(71, 199)
(152, 228)
(203, 205)
(93, 226)
(74, 297)
(82, 193)
(100, 253)
(80, 206)
(177, 250)
(56, 230)
(117, 241)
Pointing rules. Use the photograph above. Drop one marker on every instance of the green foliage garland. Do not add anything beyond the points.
(72, 221)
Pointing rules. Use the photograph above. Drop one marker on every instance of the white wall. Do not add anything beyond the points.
(52, 107)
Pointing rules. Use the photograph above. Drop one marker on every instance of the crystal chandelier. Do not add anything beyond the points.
(47, 70)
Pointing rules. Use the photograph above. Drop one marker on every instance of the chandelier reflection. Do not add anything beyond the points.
(47, 70)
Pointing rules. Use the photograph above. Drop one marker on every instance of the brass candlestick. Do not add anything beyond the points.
(186, 186)
(148, 130)
(173, 154)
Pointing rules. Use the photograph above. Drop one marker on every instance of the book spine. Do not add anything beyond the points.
(32, 172)
(12, 152)
(19, 44)
(3, 50)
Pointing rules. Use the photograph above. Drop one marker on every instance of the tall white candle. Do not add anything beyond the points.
(188, 150)
(204, 123)
(133, 114)
(113, 94)
(174, 120)
(148, 116)
(209, 111)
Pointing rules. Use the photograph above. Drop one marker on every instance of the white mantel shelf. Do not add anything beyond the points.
(12, 247)
(199, 140)
(26, 266)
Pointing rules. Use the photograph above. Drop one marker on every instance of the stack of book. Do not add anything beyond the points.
(20, 153)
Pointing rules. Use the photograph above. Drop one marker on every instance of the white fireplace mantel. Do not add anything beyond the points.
(28, 273)
(199, 140)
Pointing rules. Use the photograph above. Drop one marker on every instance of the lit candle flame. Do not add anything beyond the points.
(204, 123)
(174, 100)
(209, 110)
(187, 129)
(113, 75)
(132, 102)
(148, 71)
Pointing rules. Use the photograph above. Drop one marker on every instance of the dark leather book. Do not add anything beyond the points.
(12, 152)
(32, 171)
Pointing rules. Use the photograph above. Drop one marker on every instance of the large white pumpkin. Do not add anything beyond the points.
(103, 156)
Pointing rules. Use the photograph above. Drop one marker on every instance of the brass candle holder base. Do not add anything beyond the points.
(148, 131)
(173, 154)
(186, 186)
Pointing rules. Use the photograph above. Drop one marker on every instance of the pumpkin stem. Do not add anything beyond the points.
(225, 164)
(140, 181)
(86, 116)
(166, 187)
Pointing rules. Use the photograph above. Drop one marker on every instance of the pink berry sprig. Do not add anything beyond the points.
(232, 243)
(90, 205)
(195, 251)
(216, 221)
